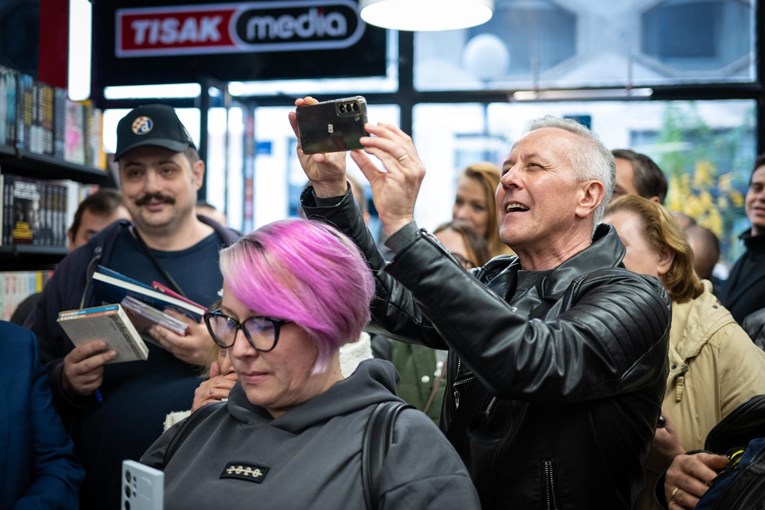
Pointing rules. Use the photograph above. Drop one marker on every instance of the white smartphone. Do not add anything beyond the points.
(143, 487)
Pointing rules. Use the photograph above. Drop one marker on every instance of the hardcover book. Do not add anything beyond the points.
(109, 323)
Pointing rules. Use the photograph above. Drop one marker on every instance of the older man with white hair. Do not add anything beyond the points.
(557, 355)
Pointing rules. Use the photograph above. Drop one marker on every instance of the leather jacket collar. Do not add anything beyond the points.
(606, 250)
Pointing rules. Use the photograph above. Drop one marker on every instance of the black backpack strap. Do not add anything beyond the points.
(186, 428)
(378, 436)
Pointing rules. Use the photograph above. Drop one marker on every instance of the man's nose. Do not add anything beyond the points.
(506, 179)
(151, 180)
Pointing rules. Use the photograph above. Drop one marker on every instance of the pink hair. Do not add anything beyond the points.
(306, 272)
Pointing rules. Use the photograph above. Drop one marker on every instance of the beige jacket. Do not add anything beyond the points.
(713, 368)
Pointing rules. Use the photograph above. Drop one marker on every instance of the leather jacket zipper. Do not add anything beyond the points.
(459, 382)
(550, 502)
(492, 402)
(464, 381)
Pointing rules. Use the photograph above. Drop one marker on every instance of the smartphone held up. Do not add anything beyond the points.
(332, 126)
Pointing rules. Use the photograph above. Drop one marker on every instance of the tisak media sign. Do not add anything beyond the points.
(276, 26)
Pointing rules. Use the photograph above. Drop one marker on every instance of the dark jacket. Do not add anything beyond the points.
(73, 290)
(754, 325)
(38, 468)
(563, 406)
(744, 291)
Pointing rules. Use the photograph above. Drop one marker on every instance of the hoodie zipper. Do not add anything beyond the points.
(550, 502)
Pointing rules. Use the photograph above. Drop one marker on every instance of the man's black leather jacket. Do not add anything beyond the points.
(570, 374)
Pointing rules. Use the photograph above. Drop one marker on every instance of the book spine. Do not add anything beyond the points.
(24, 110)
(4, 106)
(47, 119)
(52, 214)
(35, 137)
(87, 112)
(40, 236)
(2, 209)
(59, 122)
(87, 312)
(20, 141)
(122, 322)
(10, 120)
(97, 139)
(55, 234)
(61, 223)
(9, 187)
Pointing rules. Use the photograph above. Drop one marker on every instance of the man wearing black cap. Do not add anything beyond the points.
(116, 411)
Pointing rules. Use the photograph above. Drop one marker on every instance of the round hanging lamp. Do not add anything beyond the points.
(426, 15)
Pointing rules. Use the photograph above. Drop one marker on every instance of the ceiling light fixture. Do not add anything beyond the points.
(426, 15)
(580, 94)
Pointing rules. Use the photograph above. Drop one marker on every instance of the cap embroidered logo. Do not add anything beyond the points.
(142, 125)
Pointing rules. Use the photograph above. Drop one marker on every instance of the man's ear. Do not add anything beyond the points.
(590, 197)
(655, 199)
(70, 236)
(666, 257)
(198, 169)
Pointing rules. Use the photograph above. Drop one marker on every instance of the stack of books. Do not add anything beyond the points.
(133, 309)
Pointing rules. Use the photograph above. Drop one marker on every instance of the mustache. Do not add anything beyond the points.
(154, 196)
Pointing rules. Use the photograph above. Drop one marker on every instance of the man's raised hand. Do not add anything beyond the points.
(325, 171)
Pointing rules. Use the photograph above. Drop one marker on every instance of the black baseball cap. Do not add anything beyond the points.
(152, 124)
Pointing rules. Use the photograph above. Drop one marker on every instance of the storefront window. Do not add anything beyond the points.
(543, 44)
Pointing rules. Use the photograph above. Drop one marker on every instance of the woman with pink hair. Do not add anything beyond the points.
(290, 434)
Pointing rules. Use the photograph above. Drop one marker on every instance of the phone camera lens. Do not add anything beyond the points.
(342, 108)
(127, 491)
(127, 505)
(355, 107)
(127, 476)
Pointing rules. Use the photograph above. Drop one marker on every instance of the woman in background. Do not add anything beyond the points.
(290, 434)
(475, 205)
(714, 366)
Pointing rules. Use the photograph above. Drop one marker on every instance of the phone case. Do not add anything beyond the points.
(332, 126)
(142, 487)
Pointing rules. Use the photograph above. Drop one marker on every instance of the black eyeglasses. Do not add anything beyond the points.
(261, 332)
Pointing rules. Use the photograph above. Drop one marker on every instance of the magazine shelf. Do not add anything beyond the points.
(39, 166)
